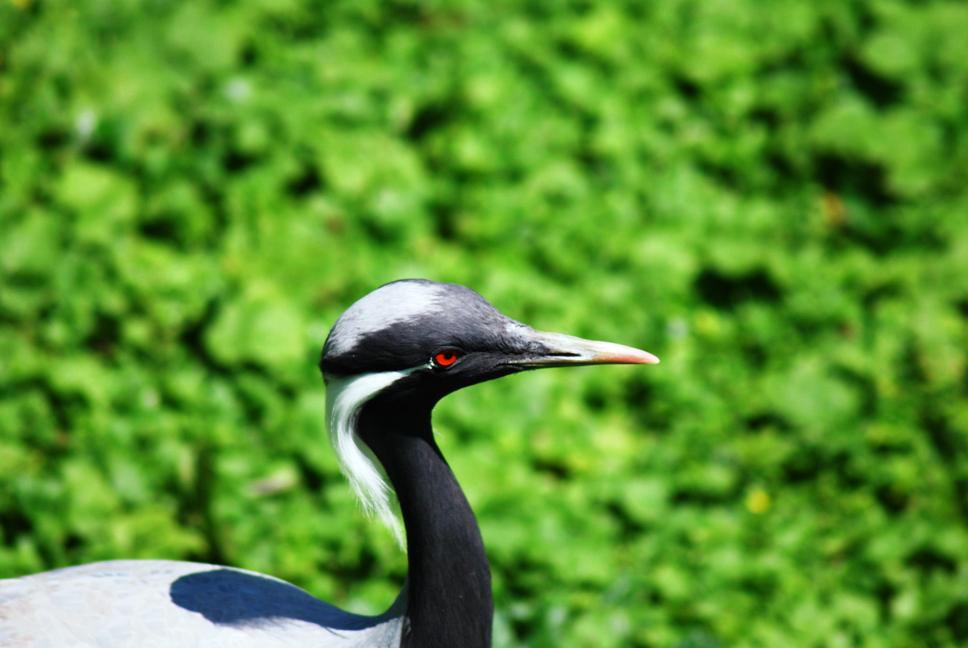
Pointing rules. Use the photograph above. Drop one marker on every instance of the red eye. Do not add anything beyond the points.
(445, 358)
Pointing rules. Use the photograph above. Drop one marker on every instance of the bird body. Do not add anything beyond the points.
(167, 604)
(387, 361)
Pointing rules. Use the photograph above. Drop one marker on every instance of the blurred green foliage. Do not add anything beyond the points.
(771, 196)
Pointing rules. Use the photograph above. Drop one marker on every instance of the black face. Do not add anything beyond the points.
(448, 336)
(452, 336)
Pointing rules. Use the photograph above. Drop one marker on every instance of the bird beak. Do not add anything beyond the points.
(559, 350)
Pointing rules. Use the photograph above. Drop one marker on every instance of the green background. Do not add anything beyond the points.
(770, 196)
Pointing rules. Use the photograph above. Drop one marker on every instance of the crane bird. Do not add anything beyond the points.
(390, 357)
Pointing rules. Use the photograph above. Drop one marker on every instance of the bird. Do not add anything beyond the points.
(387, 361)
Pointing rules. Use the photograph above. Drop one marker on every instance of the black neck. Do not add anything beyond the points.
(449, 582)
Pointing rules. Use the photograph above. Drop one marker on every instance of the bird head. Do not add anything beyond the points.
(401, 348)
(446, 336)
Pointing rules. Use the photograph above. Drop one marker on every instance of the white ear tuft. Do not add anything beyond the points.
(345, 396)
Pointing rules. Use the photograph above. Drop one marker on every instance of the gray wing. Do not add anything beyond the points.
(157, 603)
